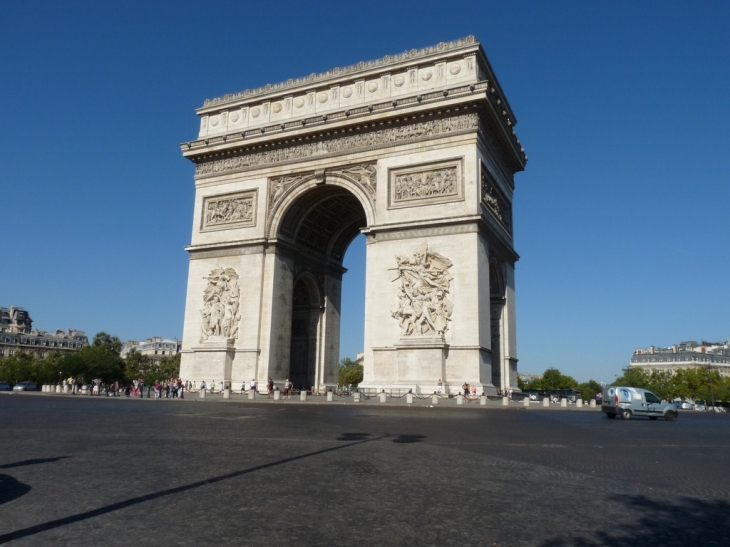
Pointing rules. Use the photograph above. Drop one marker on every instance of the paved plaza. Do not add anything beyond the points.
(102, 471)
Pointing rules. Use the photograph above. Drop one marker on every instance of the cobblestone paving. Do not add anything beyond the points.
(98, 471)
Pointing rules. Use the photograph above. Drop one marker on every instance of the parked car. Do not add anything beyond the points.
(684, 405)
(700, 405)
(633, 401)
(4, 386)
(24, 386)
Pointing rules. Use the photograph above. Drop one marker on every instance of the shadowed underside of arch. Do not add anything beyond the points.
(324, 220)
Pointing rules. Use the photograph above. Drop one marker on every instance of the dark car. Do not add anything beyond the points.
(4, 386)
(24, 386)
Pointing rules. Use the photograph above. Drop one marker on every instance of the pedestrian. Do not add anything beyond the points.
(252, 386)
(440, 387)
(288, 386)
(270, 387)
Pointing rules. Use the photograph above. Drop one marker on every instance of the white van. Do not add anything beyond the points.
(634, 401)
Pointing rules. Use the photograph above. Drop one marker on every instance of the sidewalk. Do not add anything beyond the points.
(422, 401)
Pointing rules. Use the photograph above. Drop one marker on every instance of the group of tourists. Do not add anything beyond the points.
(171, 389)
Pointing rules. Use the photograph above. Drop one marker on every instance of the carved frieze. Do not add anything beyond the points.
(229, 211)
(495, 201)
(221, 298)
(426, 184)
(348, 144)
(363, 175)
(424, 304)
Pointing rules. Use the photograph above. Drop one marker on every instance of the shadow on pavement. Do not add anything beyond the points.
(37, 529)
(11, 488)
(409, 438)
(678, 523)
(32, 462)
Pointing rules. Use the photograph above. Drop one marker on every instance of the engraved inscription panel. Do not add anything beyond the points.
(426, 184)
(229, 211)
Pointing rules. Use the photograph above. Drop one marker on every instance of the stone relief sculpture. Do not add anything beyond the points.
(231, 210)
(424, 306)
(496, 202)
(221, 305)
(383, 137)
(439, 182)
(235, 210)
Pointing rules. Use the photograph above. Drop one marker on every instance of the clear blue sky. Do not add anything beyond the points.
(621, 217)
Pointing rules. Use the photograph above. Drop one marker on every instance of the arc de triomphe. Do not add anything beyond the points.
(417, 151)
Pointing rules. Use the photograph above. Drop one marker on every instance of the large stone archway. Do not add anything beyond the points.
(418, 152)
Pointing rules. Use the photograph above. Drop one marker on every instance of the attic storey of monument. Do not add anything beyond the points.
(417, 151)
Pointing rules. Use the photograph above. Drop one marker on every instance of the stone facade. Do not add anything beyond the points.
(418, 152)
(17, 334)
(155, 348)
(686, 355)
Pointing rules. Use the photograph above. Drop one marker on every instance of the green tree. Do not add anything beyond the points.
(633, 377)
(589, 389)
(96, 361)
(19, 367)
(350, 372)
(108, 341)
(138, 366)
(552, 378)
(168, 367)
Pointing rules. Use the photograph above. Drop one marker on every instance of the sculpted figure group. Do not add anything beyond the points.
(424, 306)
(220, 304)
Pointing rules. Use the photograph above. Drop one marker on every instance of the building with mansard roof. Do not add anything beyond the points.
(685, 355)
(155, 348)
(17, 334)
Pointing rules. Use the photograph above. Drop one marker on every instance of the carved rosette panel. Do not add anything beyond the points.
(229, 211)
(426, 184)
(424, 302)
(220, 313)
(495, 201)
(347, 144)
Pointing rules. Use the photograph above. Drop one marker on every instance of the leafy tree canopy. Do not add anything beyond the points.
(350, 373)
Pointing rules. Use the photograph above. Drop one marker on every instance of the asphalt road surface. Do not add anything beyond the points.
(98, 471)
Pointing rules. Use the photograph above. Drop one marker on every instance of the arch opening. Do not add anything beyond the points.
(314, 234)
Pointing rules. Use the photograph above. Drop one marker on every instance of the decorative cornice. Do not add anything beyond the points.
(388, 60)
(347, 144)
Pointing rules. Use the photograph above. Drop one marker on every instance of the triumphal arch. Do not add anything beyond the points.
(418, 152)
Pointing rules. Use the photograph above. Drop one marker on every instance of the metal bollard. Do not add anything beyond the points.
(579, 403)
(251, 394)
(382, 397)
(434, 399)
(526, 402)
(202, 393)
(459, 399)
(303, 395)
(563, 403)
(546, 402)
(226, 393)
(330, 396)
(505, 401)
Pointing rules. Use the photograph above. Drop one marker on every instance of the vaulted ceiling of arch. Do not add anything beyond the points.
(325, 220)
